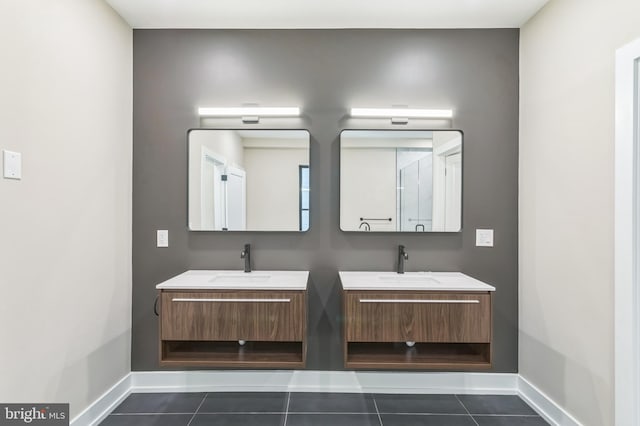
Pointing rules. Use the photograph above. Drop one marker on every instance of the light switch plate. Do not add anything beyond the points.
(163, 238)
(12, 164)
(484, 237)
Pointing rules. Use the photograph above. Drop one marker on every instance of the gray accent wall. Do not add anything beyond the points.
(325, 72)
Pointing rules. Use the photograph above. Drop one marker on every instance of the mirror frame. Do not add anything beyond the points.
(244, 129)
(462, 137)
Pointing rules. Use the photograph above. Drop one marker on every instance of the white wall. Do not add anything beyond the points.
(224, 143)
(566, 200)
(65, 228)
(367, 187)
(273, 186)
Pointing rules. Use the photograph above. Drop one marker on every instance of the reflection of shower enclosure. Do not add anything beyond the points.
(415, 189)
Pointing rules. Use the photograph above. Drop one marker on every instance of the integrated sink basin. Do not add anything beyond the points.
(250, 277)
(237, 280)
(436, 281)
(404, 278)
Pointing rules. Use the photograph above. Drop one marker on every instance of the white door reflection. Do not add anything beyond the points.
(212, 195)
(236, 199)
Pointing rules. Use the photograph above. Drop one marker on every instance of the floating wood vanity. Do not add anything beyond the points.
(234, 319)
(416, 321)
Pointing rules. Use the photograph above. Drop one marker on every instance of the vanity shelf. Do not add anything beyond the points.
(448, 316)
(204, 316)
(422, 356)
(231, 354)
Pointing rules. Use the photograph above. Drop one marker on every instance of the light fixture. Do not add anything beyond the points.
(401, 115)
(249, 113)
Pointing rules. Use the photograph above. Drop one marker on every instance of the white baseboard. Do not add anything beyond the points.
(545, 406)
(101, 407)
(211, 381)
(325, 381)
(434, 383)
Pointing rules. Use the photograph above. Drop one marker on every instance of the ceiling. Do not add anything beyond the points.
(326, 13)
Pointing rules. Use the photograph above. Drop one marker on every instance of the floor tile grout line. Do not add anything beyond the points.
(377, 411)
(198, 409)
(504, 415)
(286, 410)
(332, 412)
(149, 414)
(465, 409)
(235, 413)
(428, 414)
(328, 412)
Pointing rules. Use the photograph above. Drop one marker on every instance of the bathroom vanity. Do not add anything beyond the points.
(234, 319)
(416, 320)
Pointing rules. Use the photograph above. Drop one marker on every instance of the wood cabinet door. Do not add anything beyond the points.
(421, 317)
(233, 315)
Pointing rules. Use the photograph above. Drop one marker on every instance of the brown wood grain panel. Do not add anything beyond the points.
(208, 321)
(419, 322)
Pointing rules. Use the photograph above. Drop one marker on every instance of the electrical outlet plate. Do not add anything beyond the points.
(162, 238)
(12, 164)
(484, 237)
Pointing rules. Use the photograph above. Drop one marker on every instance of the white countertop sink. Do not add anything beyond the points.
(237, 280)
(426, 281)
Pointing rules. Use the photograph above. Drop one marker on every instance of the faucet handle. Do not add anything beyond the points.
(403, 252)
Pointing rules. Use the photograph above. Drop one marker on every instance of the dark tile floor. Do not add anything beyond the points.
(320, 409)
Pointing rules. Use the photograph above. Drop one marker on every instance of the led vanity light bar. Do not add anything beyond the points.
(249, 111)
(401, 112)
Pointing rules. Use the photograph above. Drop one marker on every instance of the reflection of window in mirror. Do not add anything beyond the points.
(304, 197)
(248, 180)
(401, 180)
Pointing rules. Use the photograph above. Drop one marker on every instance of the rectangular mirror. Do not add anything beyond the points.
(248, 180)
(401, 180)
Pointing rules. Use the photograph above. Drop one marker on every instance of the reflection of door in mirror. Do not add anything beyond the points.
(223, 194)
(447, 182)
(453, 191)
(236, 199)
(212, 216)
(303, 178)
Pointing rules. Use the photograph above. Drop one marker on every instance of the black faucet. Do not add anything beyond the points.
(367, 227)
(402, 256)
(246, 255)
